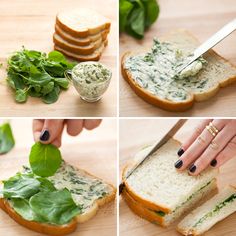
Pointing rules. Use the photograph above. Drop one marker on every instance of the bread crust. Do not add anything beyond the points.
(82, 50)
(84, 33)
(171, 105)
(95, 57)
(85, 41)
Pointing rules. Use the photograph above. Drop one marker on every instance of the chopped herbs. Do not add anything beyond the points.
(36, 74)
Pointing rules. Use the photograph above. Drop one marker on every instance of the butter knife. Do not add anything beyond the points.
(171, 132)
(211, 42)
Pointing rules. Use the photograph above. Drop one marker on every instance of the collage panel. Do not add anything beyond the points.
(79, 79)
(177, 177)
(158, 40)
(58, 177)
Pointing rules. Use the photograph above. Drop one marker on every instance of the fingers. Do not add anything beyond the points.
(226, 154)
(197, 147)
(48, 130)
(197, 131)
(74, 127)
(92, 123)
(217, 144)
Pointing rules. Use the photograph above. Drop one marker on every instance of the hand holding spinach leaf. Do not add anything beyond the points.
(44, 159)
(33, 73)
(7, 141)
(135, 16)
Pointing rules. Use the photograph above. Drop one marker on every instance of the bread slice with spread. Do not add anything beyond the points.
(87, 192)
(158, 192)
(151, 74)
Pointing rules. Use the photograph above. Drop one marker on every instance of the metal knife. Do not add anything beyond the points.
(211, 42)
(171, 132)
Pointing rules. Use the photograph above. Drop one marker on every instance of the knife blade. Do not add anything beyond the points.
(210, 43)
(171, 132)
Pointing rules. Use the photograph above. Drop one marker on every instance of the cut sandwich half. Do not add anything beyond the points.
(165, 219)
(79, 41)
(157, 186)
(204, 217)
(82, 22)
(54, 205)
(95, 56)
(150, 73)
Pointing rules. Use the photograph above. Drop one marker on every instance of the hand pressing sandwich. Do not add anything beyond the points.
(213, 142)
(50, 130)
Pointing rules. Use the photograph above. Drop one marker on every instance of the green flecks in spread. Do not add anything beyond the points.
(160, 213)
(217, 208)
(154, 72)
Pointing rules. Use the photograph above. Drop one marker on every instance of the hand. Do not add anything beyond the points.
(50, 130)
(202, 149)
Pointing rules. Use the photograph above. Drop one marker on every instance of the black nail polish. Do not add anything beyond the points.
(214, 162)
(44, 135)
(180, 152)
(192, 168)
(178, 164)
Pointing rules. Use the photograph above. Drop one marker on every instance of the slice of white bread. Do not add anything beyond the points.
(166, 219)
(209, 214)
(82, 22)
(90, 206)
(95, 56)
(82, 50)
(217, 73)
(82, 41)
(157, 185)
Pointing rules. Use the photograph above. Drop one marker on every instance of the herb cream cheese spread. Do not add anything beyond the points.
(91, 79)
(154, 70)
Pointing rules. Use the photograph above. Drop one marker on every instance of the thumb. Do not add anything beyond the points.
(52, 129)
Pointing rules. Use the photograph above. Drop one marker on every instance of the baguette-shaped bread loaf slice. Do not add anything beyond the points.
(62, 179)
(95, 56)
(82, 50)
(82, 41)
(82, 22)
(218, 72)
(205, 216)
(158, 217)
(158, 185)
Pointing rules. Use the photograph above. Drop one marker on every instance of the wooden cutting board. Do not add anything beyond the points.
(142, 132)
(202, 18)
(94, 151)
(31, 23)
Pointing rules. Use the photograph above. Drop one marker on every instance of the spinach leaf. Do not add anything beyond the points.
(20, 186)
(7, 141)
(33, 73)
(135, 16)
(44, 159)
(22, 207)
(56, 207)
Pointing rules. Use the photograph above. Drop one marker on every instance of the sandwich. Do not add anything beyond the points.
(159, 193)
(205, 216)
(56, 204)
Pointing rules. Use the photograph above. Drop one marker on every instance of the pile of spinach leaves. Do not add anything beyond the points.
(135, 16)
(36, 74)
(7, 141)
(36, 199)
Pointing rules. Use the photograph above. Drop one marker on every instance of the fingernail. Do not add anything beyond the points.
(214, 162)
(180, 152)
(192, 168)
(178, 164)
(44, 135)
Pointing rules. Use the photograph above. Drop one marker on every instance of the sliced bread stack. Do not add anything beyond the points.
(81, 34)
